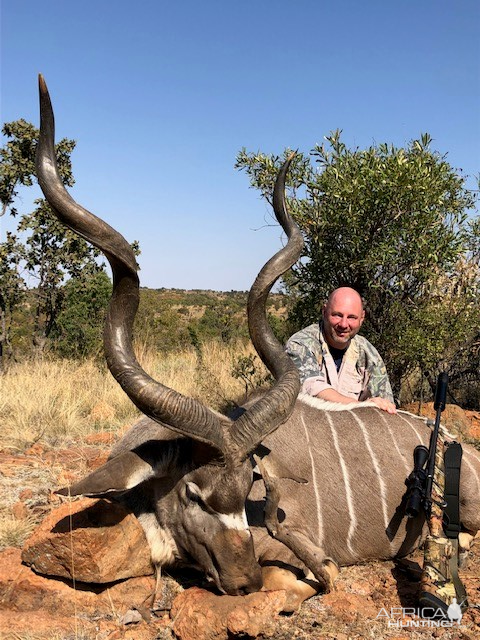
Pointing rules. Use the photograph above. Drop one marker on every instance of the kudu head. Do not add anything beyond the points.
(194, 473)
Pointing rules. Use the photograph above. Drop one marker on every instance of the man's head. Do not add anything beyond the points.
(343, 315)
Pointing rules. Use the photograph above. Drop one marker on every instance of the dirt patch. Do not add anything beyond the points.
(459, 422)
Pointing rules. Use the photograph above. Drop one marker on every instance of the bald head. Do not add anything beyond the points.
(343, 315)
(345, 296)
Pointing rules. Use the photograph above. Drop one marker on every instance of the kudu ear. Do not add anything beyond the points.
(123, 472)
(276, 468)
(120, 474)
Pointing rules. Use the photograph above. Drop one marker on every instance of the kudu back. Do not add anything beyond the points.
(187, 471)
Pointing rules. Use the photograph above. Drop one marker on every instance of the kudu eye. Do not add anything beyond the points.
(194, 493)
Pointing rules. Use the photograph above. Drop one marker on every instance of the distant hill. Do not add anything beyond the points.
(172, 318)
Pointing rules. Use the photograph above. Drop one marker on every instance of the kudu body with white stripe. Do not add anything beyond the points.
(356, 460)
(187, 471)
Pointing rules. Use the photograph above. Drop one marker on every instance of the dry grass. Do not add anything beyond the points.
(60, 401)
(14, 531)
(55, 401)
(25, 488)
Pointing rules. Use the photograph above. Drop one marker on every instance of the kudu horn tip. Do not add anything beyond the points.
(46, 111)
(42, 85)
(286, 166)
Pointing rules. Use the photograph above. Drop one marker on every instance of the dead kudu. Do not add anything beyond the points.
(193, 476)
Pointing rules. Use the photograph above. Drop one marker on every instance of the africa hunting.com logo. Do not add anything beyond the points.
(428, 617)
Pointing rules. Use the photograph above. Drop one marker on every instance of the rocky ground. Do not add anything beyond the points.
(75, 539)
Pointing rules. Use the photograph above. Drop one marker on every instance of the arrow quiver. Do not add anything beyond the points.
(440, 584)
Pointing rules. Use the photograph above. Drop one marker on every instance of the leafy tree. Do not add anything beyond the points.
(279, 327)
(218, 321)
(78, 330)
(392, 223)
(12, 291)
(158, 325)
(17, 166)
(50, 252)
(248, 369)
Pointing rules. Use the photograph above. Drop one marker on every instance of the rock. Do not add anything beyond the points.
(96, 462)
(474, 431)
(39, 627)
(74, 457)
(33, 606)
(34, 603)
(66, 478)
(103, 437)
(101, 412)
(26, 494)
(131, 617)
(361, 587)
(198, 614)
(90, 541)
(36, 449)
(455, 419)
(346, 607)
(20, 511)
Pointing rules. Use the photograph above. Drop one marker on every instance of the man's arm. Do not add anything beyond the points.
(330, 395)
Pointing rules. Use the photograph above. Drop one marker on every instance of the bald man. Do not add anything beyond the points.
(335, 363)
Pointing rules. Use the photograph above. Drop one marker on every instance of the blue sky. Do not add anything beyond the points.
(161, 96)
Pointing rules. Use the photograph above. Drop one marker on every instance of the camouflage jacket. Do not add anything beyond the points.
(362, 374)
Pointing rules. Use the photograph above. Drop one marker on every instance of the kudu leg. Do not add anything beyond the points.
(465, 541)
(298, 590)
(323, 569)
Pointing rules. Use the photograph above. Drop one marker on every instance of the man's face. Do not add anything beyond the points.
(342, 317)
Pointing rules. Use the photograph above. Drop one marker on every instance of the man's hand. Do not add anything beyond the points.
(384, 404)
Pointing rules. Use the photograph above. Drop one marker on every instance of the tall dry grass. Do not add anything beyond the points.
(59, 401)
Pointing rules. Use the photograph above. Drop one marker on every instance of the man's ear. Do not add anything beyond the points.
(362, 318)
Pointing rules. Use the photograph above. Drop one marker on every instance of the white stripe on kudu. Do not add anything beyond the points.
(315, 484)
(348, 489)
(471, 467)
(378, 470)
(399, 414)
(395, 443)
